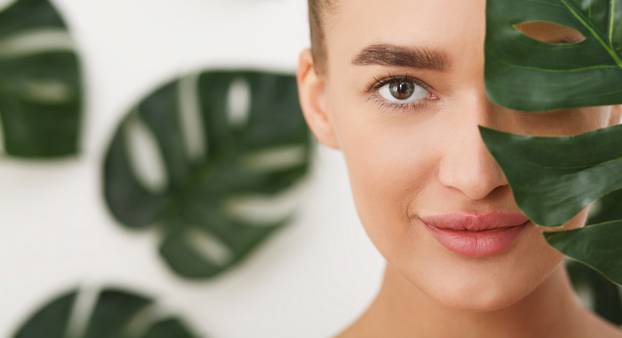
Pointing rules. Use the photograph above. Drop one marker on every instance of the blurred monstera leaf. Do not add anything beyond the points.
(607, 208)
(40, 85)
(528, 72)
(603, 296)
(116, 313)
(225, 141)
(554, 178)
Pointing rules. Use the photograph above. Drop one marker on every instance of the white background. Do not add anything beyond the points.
(309, 280)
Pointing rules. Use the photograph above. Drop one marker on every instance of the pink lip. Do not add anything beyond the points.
(476, 235)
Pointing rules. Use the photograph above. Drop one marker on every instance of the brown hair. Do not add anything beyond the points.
(317, 15)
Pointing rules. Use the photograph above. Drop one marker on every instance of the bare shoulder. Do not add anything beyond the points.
(364, 326)
(611, 331)
(608, 330)
(353, 331)
(360, 328)
(596, 326)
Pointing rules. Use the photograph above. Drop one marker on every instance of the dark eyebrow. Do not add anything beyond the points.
(392, 55)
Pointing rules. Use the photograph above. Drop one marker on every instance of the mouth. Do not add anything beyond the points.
(478, 243)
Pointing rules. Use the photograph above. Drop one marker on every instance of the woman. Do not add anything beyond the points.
(398, 87)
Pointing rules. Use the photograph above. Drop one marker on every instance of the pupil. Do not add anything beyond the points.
(402, 89)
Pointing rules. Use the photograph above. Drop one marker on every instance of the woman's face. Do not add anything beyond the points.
(416, 150)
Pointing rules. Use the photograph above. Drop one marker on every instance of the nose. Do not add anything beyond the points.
(466, 164)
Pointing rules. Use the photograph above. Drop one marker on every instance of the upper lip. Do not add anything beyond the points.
(476, 222)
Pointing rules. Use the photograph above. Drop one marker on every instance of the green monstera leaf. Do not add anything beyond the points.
(554, 178)
(606, 296)
(40, 85)
(531, 75)
(593, 245)
(217, 151)
(116, 314)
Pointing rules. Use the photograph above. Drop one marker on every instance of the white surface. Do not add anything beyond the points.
(308, 281)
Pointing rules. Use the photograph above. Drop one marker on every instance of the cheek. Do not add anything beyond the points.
(390, 160)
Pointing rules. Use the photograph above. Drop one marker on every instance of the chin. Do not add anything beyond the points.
(480, 300)
(483, 284)
(482, 290)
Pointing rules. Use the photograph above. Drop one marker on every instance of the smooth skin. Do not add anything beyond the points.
(406, 161)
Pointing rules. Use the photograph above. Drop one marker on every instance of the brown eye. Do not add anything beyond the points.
(401, 89)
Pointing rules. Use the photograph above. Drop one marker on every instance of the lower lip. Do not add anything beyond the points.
(477, 243)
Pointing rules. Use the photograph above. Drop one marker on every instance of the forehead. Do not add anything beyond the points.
(455, 26)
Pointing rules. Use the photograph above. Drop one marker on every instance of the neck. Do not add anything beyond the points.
(402, 310)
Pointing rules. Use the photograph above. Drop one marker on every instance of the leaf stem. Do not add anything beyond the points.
(589, 27)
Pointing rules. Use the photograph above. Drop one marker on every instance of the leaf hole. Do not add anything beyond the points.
(2, 147)
(275, 158)
(83, 306)
(212, 248)
(238, 102)
(190, 116)
(34, 42)
(47, 91)
(144, 155)
(142, 321)
(4, 4)
(258, 208)
(549, 32)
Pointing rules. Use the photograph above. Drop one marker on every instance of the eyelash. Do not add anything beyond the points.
(378, 82)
